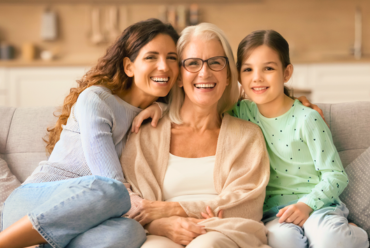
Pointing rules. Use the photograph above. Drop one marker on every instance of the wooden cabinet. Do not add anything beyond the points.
(38, 86)
(47, 86)
(333, 83)
(3, 87)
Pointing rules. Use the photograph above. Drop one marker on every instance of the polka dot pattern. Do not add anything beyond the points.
(302, 155)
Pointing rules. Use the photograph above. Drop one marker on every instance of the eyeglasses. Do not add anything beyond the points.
(196, 64)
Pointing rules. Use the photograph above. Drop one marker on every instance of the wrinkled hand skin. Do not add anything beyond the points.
(181, 230)
(147, 211)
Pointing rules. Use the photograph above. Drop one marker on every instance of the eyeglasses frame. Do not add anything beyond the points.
(205, 61)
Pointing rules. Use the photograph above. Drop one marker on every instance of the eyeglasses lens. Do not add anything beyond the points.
(217, 63)
(195, 64)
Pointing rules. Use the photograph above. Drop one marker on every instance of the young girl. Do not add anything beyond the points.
(302, 206)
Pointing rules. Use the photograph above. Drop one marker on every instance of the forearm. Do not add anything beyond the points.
(174, 209)
(156, 227)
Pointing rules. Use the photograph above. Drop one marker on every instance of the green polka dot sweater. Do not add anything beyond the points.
(305, 165)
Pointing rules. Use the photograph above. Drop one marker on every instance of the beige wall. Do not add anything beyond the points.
(317, 30)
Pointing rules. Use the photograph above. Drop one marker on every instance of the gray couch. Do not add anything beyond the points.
(22, 130)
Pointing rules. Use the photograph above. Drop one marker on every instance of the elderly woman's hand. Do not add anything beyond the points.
(147, 211)
(179, 229)
(210, 214)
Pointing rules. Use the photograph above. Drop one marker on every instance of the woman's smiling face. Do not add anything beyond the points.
(156, 68)
(205, 87)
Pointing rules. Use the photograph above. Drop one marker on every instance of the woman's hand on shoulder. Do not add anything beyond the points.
(296, 213)
(154, 111)
(307, 103)
(180, 230)
(209, 213)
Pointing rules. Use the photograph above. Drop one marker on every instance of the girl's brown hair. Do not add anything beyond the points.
(270, 38)
(109, 70)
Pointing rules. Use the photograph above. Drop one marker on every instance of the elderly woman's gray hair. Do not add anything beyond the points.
(206, 31)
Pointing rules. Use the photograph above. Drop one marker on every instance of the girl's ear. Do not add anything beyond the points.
(127, 67)
(288, 72)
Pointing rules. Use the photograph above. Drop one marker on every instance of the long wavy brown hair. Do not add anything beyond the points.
(109, 70)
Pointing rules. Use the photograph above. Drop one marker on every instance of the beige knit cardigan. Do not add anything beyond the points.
(241, 173)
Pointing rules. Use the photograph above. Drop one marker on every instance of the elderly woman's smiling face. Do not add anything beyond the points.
(205, 87)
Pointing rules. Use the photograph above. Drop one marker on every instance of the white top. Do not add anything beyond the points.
(189, 179)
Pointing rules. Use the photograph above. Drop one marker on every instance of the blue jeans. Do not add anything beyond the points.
(325, 228)
(81, 212)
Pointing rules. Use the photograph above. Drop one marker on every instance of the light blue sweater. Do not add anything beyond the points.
(92, 140)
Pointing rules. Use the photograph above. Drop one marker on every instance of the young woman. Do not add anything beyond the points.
(306, 173)
(77, 197)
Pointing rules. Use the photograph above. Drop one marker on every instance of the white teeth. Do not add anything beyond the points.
(160, 80)
(205, 85)
(263, 88)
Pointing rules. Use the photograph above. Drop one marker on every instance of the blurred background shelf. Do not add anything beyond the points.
(128, 1)
(321, 35)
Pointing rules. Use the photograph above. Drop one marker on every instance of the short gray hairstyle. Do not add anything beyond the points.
(206, 31)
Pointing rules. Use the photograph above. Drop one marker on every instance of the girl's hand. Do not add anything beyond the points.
(307, 103)
(154, 111)
(179, 229)
(296, 213)
(210, 214)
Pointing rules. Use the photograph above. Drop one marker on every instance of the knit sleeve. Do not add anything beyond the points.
(333, 178)
(95, 119)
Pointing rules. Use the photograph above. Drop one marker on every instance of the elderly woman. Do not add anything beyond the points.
(199, 158)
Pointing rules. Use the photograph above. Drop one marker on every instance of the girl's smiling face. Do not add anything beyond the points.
(263, 76)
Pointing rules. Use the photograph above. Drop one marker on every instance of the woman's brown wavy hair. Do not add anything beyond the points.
(109, 70)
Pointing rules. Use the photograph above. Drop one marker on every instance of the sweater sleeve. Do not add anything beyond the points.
(333, 178)
(95, 119)
(235, 111)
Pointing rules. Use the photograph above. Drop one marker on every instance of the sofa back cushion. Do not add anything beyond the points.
(22, 130)
(21, 144)
(350, 126)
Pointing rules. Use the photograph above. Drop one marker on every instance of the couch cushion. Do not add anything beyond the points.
(23, 144)
(27, 129)
(356, 196)
(349, 124)
(6, 114)
(23, 164)
(8, 183)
